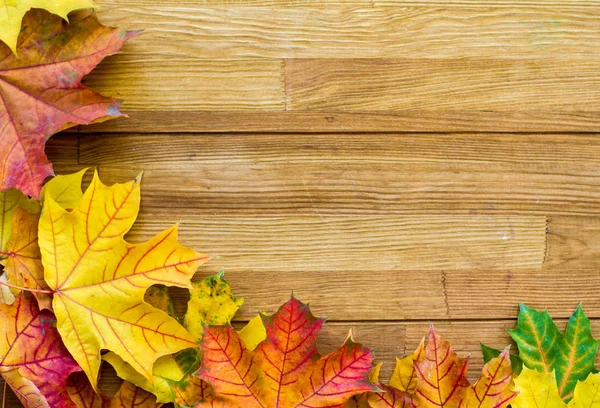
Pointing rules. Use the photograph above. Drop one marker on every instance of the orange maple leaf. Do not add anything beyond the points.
(99, 280)
(442, 381)
(41, 91)
(285, 370)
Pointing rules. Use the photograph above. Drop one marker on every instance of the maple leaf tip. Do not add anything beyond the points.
(350, 336)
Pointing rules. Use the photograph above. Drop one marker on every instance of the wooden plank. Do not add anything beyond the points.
(550, 151)
(479, 4)
(150, 82)
(343, 122)
(559, 291)
(286, 185)
(473, 84)
(317, 187)
(357, 31)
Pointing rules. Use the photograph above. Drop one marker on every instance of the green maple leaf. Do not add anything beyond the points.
(544, 348)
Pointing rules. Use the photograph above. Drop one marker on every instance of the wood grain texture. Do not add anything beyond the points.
(382, 174)
(472, 84)
(344, 122)
(357, 30)
(181, 83)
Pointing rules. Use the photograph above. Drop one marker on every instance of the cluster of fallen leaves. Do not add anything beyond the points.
(75, 294)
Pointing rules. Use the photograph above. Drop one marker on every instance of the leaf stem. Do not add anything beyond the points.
(49, 292)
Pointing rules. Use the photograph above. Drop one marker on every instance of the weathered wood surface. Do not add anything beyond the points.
(395, 163)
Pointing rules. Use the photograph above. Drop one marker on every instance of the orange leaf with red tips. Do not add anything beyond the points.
(442, 380)
(33, 359)
(285, 370)
(41, 91)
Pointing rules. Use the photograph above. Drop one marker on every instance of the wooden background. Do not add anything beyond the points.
(395, 163)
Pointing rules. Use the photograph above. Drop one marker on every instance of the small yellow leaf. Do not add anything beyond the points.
(537, 390)
(253, 333)
(404, 377)
(587, 393)
(211, 304)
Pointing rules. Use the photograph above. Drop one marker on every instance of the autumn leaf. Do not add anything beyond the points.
(211, 303)
(99, 280)
(537, 390)
(391, 396)
(253, 333)
(285, 370)
(41, 91)
(65, 189)
(490, 353)
(400, 391)
(442, 380)
(9, 202)
(128, 396)
(544, 348)
(587, 393)
(33, 360)
(21, 257)
(23, 265)
(404, 377)
(12, 12)
(82, 393)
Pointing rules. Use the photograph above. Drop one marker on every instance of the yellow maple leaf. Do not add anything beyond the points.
(99, 280)
(587, 393)
(13, 11)
(537, 390)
